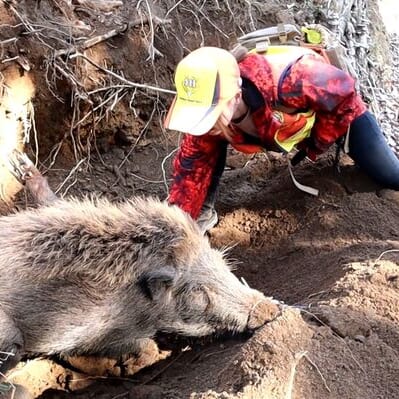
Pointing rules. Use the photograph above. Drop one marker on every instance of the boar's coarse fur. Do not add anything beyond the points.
(92, 277)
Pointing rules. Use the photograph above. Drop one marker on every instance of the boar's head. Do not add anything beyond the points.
(195, 291)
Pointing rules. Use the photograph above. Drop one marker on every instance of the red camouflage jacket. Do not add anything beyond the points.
(309, 83)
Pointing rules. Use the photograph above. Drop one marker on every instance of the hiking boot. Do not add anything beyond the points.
(207, 219)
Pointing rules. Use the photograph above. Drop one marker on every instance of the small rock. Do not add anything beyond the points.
(390, 195)
(360, 338)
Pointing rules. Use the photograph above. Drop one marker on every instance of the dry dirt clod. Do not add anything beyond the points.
(263, 312)
(390, 195)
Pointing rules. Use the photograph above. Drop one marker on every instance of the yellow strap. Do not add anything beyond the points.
(289, 143)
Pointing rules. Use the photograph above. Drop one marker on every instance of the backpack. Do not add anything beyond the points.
(316, 37)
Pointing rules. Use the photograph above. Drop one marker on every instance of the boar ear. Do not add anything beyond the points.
(154, 282)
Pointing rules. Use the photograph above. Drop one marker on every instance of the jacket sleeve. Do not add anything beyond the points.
(329, 91)
(193, 168)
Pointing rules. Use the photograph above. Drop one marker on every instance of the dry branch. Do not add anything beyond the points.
(112, 33)
(121, 78)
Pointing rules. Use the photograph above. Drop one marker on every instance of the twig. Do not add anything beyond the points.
(318, 371)
(10, 40)
(316, 293)
(172, 8)
(100, 89)
(208, 19)
(163, 169)
(69, 187)
(290, 385)
(386, 252)
(6, 355)
(119, 177)
(96, 108)
(122, 79)
(151, 47)
(9, 59)
(112, 33)
(28, 26)
(35, 135)
(78, 86)
(143, 130)
(98, 39)
(121, 395)
(69, 175)
(297, 358)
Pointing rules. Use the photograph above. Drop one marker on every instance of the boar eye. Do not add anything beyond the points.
(193, 303)
(200, 299)
(155, 283)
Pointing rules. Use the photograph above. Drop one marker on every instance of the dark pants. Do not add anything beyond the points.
(367, 147)
(371, 152)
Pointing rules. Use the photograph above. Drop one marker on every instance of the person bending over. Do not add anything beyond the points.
(291, 98)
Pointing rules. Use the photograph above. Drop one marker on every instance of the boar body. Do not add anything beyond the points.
(95, 278)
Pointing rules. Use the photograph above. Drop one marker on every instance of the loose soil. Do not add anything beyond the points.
(332, 259)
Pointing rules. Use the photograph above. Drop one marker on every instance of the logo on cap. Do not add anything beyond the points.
(189, 85)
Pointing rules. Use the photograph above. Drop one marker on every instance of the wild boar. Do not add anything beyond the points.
(91, 277)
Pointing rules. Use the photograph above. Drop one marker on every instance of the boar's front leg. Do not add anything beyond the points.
(23, 169)
(11, 351)
(11, 344)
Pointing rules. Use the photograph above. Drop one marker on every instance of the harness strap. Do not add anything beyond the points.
(346, 143)
(302, 187)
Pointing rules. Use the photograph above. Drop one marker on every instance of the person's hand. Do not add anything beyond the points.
(310, 147)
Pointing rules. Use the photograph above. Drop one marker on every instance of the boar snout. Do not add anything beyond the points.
(263, 311)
